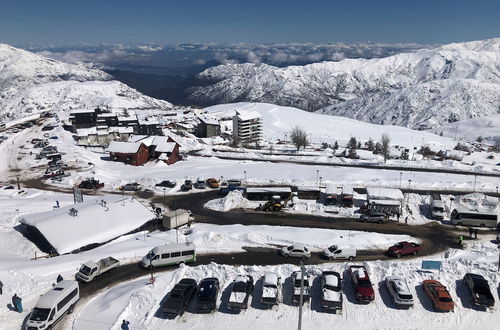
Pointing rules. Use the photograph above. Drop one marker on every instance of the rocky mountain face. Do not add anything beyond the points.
(30, 83)
(422, 89)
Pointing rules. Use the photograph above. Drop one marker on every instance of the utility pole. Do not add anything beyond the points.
(301, 298)
(400, 178)
(317, 176)
(246, 181)
(475, 181)
(176, 228)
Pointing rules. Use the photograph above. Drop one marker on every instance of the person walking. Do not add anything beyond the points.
(470, 232)
(17, 303)
(125, 325)
(406, 220)
(460, 239)
(475, 233)
(59, 278)
(1, 287)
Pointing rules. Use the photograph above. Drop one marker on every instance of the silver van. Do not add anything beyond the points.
(169, 254)
(340, 252)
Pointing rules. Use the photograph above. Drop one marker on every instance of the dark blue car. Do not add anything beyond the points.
(208, 290)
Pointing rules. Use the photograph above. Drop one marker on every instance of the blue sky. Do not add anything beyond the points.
(166, 22)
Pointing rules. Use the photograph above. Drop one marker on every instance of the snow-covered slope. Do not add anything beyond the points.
(422, 89)
(278, 121)
(31, 83)
(487, 127)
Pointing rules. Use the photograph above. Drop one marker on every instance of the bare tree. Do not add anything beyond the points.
(386, 146)
(298, 137)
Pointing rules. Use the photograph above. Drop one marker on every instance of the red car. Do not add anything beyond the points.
(362, 284)
(439, 296)
(403, 249)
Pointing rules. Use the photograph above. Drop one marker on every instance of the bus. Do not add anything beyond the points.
(474, 218)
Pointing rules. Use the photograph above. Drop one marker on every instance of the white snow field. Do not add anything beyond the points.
(139, 302)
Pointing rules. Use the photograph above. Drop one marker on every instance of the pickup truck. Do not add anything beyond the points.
(306, 293)
(331, 291)
(91, 269)
(362, 284)
(403, 249)
(242, 289)
(180, 296)
(271, 288)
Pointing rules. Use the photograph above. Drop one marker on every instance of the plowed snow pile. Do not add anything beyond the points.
(476, 201)
(233, 200)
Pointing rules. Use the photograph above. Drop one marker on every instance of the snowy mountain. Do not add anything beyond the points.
(426, 88)
(31, 83)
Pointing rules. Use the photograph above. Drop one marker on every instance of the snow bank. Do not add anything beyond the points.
(233, 200)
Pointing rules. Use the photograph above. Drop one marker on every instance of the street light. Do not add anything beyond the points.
(409, 184)
(164, 199)
(475, 181)
(400, 178)
(246, 181)
(317, 176)
(320, 181)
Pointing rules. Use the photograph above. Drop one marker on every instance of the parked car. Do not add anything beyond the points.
(180, 296)
(480, 290)
(212, 183)
(439, 296)
(167, 183)
(340, 252)
(306, 291)
(240, 294)
(399, 291)
(403, 249)
(200, 184)
(361, 283)
(187, 185)
(331, 291)
(233, 182)
(90, 183)
(91, 269)
(296, 251)
(208, 290)
(130, 187)
(271, 289)
(377, 217)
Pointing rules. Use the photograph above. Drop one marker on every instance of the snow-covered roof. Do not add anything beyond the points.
(248, 115)
(270, 279)
(383, 193)
(209, 121)
(331, 280)
(162, 144)
(347, 190)
(331, 188)
(269, 190)
(86, 131)
(82, 111)
(95, 222)
(389, 202)
(306, 188)
(124, 147)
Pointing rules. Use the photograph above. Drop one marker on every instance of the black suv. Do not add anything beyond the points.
(479, 290)
(179, 297)
(207, 295)
(166, 183)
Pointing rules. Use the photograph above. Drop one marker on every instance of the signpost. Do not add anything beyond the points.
(430, 264)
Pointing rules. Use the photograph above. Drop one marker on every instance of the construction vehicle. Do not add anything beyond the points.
(275, 204)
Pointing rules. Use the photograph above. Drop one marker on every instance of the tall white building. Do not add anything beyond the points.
(247, 127)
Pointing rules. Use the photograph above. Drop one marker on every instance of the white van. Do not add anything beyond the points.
(53, 305)
(340, 252)
(170, 254)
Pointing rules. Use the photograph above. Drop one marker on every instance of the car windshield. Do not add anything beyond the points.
(85, 270)
(40, 314)
(405, 296)
(364, 283)
(332, 248)
(481, 289)
(205, 289)
(150, 255)
(445, 299)
(438, 209)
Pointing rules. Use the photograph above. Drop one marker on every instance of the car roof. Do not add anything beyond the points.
(174, 247)
(400, 284)
(331, 280)
(52, 297)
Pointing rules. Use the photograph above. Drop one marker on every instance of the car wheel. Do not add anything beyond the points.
(286, 255)
(414, 253)
(303, 257)
(398, 255)
(351, 258)
(71, 308)
(150, 267)
(482, 225)
(331, 258)
(181, 263)
(460, 224)
(364, 220)
(380, 221)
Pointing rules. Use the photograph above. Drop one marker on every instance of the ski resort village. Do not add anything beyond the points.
(121, 211)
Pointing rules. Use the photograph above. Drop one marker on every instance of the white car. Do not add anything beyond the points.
(399, 291)
(296, 250)
(340, 252)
